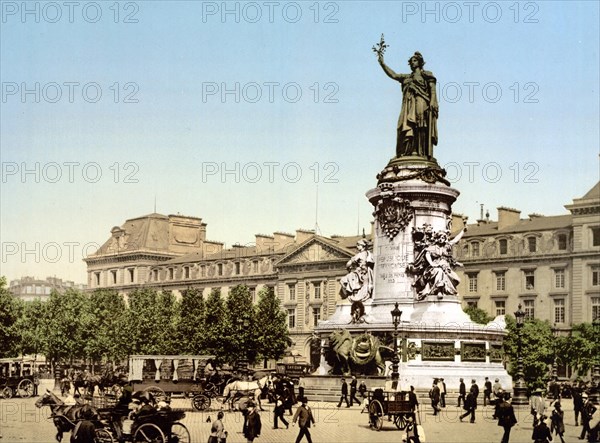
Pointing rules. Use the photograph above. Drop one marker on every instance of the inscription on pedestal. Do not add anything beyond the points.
(438, 351)
(391, 261)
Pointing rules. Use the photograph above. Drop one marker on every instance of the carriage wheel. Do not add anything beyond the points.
(25, 388)
(103, 436)
(201, 402)
(179, 434)
(400, 421)
(149, 432)
(155, 391)
(7, 392)
(376, 414)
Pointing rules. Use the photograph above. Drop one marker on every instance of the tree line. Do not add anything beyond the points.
(102, 326)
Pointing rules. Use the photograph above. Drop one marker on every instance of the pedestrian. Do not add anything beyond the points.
(301, 386)
(344, 396)
(541, 432)
(557, 423)
(442, 387)
(278, 413)
(497, 389)
(577, 404)
(252, 424)
(469, 407)
(362, 389)
(434, 395)
(505, 413)
(537, 405)
(218, 434)
(353, 390)
(474, 389)
(413, 401)
(462, 392)
(412, 430)
(487, 391)
(84, 431)
(304, 417)
(587, 411)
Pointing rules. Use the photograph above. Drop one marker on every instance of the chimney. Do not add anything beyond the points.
(211, 247)
(282, 239)
(458, 222)
(264, 243)
(303, 234)
(534, 215)
(507, 217)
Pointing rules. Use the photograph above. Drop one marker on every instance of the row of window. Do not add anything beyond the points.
(316, 290)
(559, 280)
(291, 315)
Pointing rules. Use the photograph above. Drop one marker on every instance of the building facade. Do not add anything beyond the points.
(31, 288)
(549, 264)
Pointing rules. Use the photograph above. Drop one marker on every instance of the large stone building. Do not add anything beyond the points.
(31, 288)
(549, 264)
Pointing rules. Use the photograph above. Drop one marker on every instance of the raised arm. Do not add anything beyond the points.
(389, 72)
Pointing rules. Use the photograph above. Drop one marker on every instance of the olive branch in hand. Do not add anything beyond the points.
(380, 47)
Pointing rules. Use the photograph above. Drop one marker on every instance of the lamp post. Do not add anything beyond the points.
(595, 395)
(396, 314)
(242, 362)
(520, 387)
(554, 361)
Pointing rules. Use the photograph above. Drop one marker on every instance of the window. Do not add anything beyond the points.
(292, 292)
(596, 236)
(237, 268)
(186, 272)
(155, 274)
(255, 266)
(529, 308)
(595, 308)
(475, 249)
(97, 276)
(472, 303)
(500, 307)
(291, 318)
(316, 316)
(253, 294)
(595, 275)
(503, 246)
(202, 271)
(501, 281)
(529, 280)
(130, 271)
(472, 282)
(559, 278)
(220, 269)
(532, 244)
(559, 310)
(317, 291)
(562, 242)
(114, 277)
(171, 273)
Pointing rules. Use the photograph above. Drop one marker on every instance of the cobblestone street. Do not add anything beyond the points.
(21, 421)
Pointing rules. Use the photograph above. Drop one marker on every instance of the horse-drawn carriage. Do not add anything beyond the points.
(395, 405)
(17, 377)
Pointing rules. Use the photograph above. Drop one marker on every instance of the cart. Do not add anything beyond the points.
(393, 404)
(17, 377)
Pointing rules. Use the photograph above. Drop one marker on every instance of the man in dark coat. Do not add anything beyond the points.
(252, 425)
(353, 389)
(505, 413)
(487, 391)
(462, 392)
(344, 396)
(469, 407)
(304, 418)
(434, 394)
(577, 404)
(85, 431)
(413, 401)
(587, 411)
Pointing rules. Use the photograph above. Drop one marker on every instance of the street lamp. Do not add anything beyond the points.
(554, 361)
(242, 362)
(520, 387)
(396, 314)
(595, 395)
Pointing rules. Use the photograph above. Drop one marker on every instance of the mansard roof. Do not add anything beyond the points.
(540, 223)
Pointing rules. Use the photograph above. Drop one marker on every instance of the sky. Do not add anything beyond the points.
(275, 116)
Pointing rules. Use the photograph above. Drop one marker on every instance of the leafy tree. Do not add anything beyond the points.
(537, 350)
(478, 315)
(273, 336)
(9, 314)
(67, 325)
(239, 337)
(191, 326)
(215, 326)
(580, 348)
(142, 317)
(31, 327)
(166, 324)
(108, 340)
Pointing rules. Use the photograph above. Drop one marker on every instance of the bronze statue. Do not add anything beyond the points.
(417, 124)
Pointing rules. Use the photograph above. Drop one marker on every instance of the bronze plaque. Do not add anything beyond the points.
(496, 353)
(439, 351)
(472, 351)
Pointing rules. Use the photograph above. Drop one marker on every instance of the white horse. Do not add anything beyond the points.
(240, 388)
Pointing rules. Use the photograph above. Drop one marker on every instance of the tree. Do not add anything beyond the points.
(9, 314)
(273, 336)
(108, 340)
(142, 317)
(191, 325)
(239, 338)
(478, 315)
(30, 327)
(580, 348)
(215, 326)
(166, 324)
(537, 350)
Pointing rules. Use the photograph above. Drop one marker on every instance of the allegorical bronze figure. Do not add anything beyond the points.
(417, 125)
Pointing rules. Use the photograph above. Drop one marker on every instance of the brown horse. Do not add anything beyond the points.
(64, 416)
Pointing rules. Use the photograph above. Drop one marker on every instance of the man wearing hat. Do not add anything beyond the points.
(304, 418)
(505, 413)
(252, 425)
(537, 405)
(85, 431)
(462, 392)
(586, 415)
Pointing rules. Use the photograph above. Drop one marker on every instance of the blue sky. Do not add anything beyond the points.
(287, 97)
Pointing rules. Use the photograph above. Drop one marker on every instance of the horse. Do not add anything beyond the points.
(240, 388)
(64, 416)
